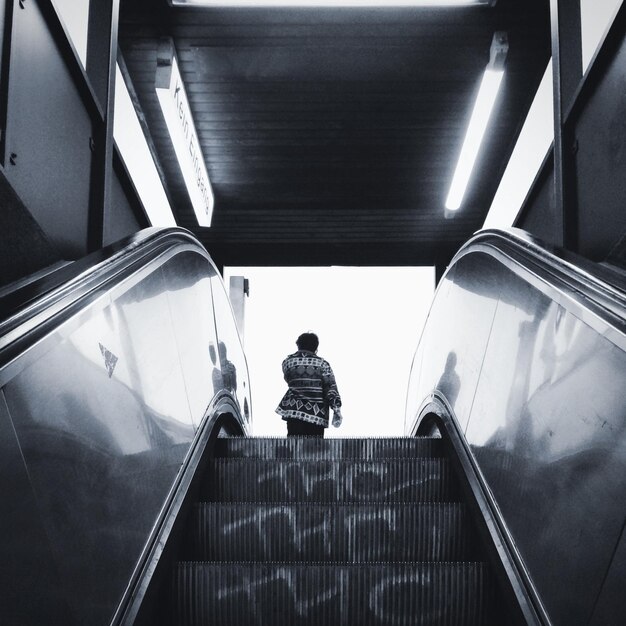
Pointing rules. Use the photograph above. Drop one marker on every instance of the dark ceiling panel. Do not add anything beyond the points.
(331, 136)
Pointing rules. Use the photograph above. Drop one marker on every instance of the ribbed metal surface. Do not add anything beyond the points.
(315, 448)
(255, 480)
(306, 531)
(416, 594)
(331, 532)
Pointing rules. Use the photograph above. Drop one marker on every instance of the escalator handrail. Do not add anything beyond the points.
(32, 310)
(592, 287)
(602, 288)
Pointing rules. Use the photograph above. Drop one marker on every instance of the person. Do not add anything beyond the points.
(312, 390)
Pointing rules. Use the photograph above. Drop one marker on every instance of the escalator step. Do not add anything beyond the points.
(331, 532)
(315, 448)
(441, 594)
(259, 480)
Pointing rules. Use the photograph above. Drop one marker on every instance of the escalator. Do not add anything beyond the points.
(133, 494)
(112, 381)
(521, 366)
(310, 531)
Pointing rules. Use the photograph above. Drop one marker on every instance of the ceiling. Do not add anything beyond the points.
(331, 135)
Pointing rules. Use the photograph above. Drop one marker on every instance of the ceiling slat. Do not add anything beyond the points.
(335, 132)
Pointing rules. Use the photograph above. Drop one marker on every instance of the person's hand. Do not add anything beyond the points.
(337, 419)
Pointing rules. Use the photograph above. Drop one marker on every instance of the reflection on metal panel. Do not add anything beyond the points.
(233, 370)
(448, 347)
(104, 419)
(191, 308)
(547, 409)
(545, 422)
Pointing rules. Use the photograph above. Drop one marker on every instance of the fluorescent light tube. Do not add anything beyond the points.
(327, 3)
(483, 107)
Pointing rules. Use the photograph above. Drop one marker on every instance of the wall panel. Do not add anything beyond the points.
(48, 134)
(601, 163)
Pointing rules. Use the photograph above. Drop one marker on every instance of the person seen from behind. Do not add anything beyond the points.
(312, 390)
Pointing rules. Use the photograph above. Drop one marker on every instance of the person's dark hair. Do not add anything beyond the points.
(308, 341)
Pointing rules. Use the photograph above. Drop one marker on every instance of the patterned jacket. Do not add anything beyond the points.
(312, 389)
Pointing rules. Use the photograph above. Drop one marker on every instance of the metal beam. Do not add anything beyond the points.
(101, 60)
(567, 73)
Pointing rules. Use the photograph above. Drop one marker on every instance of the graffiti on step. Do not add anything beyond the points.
(353, 482)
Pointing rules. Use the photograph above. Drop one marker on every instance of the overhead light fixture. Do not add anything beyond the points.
(483, 107)
(177, 113)
(330, 3)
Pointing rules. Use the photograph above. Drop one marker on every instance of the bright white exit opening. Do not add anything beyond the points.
(368, 320)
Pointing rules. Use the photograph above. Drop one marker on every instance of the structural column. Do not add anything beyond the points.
(101, 67)
(567, 74)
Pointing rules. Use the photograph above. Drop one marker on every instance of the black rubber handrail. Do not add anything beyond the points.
(603, 288)
(31, 310)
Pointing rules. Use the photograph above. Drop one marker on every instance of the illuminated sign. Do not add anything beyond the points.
(175, 106)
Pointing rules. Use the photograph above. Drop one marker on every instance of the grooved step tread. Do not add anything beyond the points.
(315, 448)
(261, 480)
(416, 594)
(331, 532)
(309, 531)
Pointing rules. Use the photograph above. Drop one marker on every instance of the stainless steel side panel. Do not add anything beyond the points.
(29, 579)
(542, 401)
(97, 423)
(455, 337)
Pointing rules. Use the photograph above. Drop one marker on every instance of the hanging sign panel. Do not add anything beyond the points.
(175, 106)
